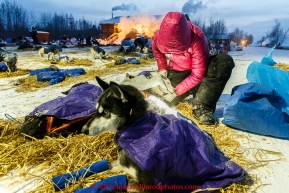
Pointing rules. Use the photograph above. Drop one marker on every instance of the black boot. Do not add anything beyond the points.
(203, 115)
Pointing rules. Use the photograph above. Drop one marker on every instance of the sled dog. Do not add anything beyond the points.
(118, 107)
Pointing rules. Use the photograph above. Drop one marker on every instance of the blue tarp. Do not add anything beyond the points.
(266, 74)
(54, 77)
(130, 61)
(127, 42)
(261, 106)
(4, 68)
(61, 181)
(257, 109)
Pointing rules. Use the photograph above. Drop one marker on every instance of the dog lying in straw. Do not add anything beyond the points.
(10, 59)
(158, 149)
(51, 51)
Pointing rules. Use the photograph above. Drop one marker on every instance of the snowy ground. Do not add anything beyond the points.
(274, 176)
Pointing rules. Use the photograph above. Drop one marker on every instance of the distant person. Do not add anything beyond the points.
(191, 69)
(64, 40)
(80, 38)
(218, 48)
(34, 35)
(64, 37)
(88, 41)
(141, 42)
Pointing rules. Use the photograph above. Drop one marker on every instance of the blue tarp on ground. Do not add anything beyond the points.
(266, 74)
(261, 106)
(257, 109)
(4, 68)
(130, 61)
(54, 77)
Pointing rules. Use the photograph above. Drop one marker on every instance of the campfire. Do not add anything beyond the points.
(130, 27)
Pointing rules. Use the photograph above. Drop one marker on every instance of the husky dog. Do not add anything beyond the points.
(10, 59)
(165, 150)
(118, 107)
(51, 51)
(97, 52)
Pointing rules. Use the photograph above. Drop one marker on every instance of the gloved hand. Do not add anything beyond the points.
(169, 97)
(167, 86)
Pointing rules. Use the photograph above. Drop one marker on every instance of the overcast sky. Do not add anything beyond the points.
(255, 17)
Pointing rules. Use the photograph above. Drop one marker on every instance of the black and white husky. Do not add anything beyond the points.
(118, 107)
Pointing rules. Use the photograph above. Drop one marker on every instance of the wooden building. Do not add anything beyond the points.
(43, 36)
(110, 28)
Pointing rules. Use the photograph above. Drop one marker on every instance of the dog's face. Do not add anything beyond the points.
(109, 115)
(115, 108)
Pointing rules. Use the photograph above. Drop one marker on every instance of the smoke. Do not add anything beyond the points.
(266, 42)
(193, 7)
(126, 7)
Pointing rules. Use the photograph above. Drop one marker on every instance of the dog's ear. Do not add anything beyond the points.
(118, 92)
(104, 85)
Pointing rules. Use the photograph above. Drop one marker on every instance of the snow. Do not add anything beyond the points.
(274, 176)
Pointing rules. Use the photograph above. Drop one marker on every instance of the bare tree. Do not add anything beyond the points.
(240, 37)
(219, 27)
(249, 39)
(214, 28)
(276, 36)
(15, 21)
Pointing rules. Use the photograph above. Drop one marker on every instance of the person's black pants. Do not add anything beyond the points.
(207, 92)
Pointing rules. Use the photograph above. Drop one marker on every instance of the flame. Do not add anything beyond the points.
(130, 27)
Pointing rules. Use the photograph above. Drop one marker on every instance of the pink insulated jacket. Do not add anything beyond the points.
(187, 46)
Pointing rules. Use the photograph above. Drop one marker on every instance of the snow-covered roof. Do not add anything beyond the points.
(111, 20)
(116, 19)
(43, 32)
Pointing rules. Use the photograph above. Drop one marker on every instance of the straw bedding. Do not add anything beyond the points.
(71, 62)
(31, 84)
(18, 72)
(282, 66)
(57, 155)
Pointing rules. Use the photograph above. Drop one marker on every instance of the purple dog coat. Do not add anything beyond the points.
(80, 102)
(176, 152)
